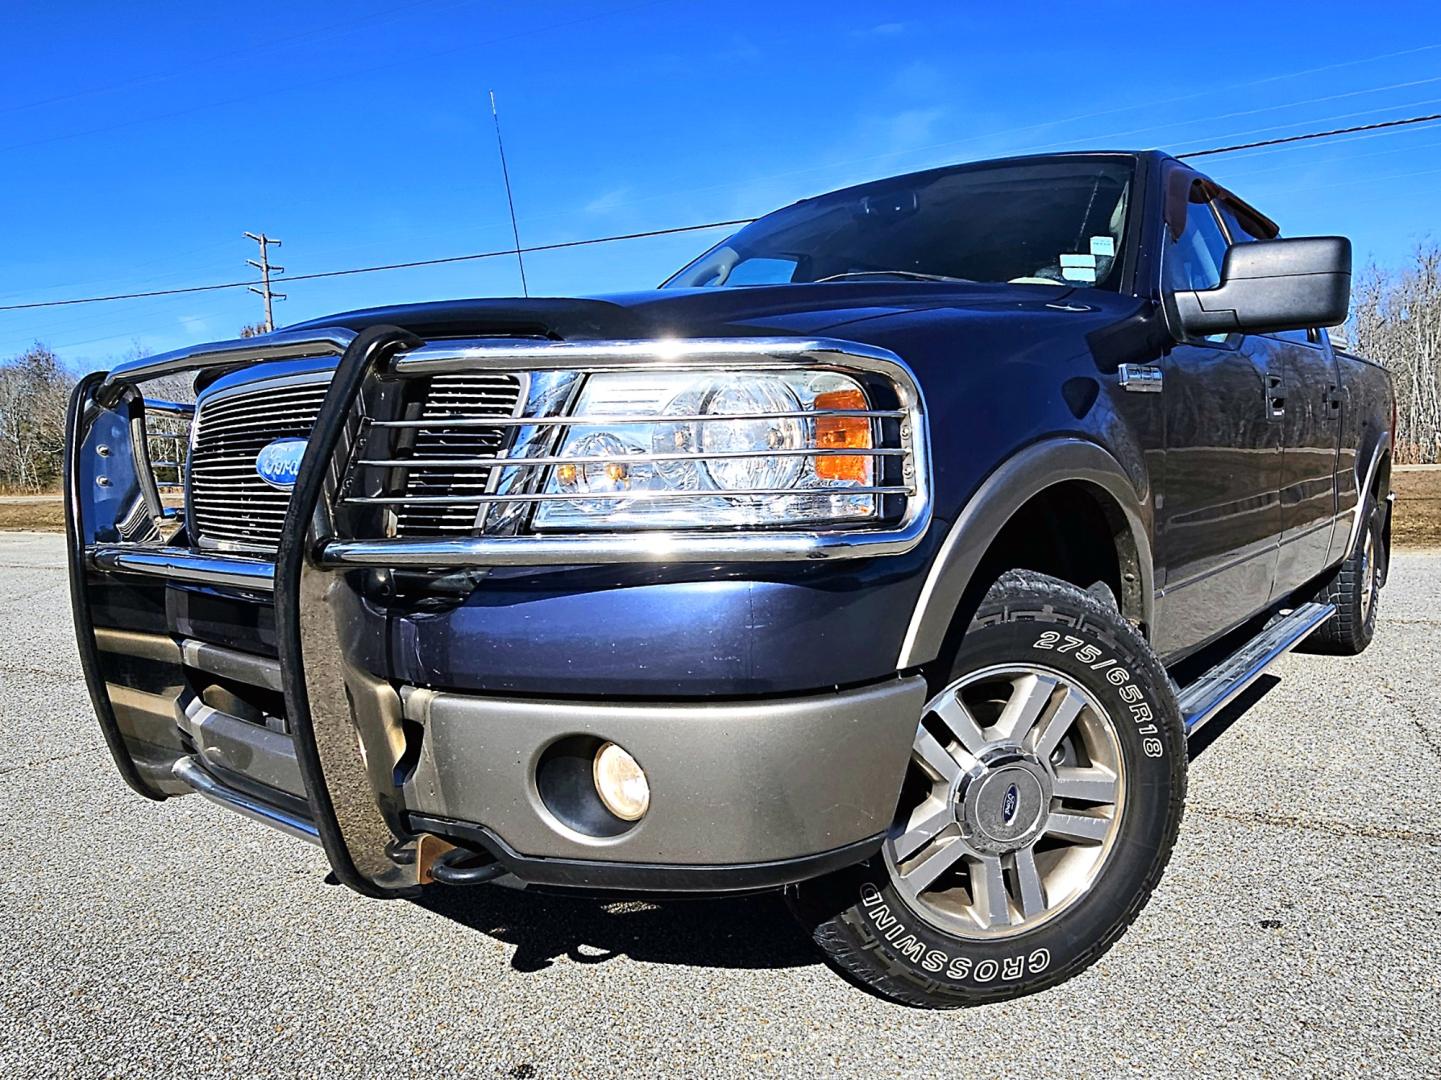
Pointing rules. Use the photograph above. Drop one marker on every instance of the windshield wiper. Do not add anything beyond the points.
(909, 274)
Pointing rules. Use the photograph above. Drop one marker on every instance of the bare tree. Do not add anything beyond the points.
(34, 389)
(1396, 321)
(168, 435)
(34, 393)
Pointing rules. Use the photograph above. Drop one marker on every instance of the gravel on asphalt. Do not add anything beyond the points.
(1296, 932)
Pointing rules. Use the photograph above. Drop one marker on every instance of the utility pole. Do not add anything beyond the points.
(266, 269)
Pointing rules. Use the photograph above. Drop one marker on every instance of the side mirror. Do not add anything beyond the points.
(1272, 285)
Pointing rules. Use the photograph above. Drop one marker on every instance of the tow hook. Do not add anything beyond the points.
(439, 860)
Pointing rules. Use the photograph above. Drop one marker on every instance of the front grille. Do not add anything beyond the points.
(229, 503)
(470, 394)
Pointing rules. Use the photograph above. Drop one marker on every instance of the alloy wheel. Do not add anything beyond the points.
(1011, 804)
(1369, 572)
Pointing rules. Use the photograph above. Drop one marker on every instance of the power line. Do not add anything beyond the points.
(1111, 137)
(1212, 91)
(517, 250)
(1432, 118)
(386, 266)
(1327, 97)
(1347, 157)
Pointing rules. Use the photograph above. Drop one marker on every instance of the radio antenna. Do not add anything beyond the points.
(509, 198)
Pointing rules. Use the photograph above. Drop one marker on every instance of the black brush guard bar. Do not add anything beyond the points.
(337, 714)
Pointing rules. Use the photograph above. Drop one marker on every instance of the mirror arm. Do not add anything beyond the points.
(1139, 338)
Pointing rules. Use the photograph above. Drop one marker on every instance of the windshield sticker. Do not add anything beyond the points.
(1078, 260)
(1103, 246)
(1078, 273)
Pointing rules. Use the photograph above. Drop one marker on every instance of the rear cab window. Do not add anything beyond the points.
(1245, 225)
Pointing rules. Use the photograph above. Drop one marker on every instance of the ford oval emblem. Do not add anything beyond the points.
(1008, 804)
(278, 463)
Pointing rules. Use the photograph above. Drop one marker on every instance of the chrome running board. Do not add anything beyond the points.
(1216, 689)
(188, 770)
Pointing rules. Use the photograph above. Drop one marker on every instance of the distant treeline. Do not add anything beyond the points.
(1395, 320)
(34, 391)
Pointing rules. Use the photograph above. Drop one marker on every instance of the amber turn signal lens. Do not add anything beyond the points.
(842, 433)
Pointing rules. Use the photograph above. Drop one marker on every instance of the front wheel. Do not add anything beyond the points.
(1041, 804)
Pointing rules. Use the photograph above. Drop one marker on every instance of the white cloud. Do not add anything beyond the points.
(888, 29)
(910, 129)
(919, 79)
(741, 50)
(607, 202)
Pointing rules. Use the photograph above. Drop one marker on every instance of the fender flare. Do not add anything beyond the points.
(1363, 488)
(1009, 487)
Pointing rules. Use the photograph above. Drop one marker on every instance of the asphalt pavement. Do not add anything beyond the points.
(1297, 931)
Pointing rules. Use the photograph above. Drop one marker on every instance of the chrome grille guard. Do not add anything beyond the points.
(545, 411)
(514, 489)
(345, 721)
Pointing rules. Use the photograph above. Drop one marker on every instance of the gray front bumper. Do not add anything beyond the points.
(731, 782)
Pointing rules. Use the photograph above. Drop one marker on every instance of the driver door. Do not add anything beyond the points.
(1219, 522)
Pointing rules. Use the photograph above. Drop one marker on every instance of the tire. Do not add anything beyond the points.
(1036, 647)
(1355, 588)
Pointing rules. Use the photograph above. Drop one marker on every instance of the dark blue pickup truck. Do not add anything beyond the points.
(888, 555)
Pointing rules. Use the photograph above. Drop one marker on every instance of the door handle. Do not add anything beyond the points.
(1275, 397)
(1333, 397)
(1140, 378)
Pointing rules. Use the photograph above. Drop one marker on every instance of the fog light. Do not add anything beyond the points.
(620, 782)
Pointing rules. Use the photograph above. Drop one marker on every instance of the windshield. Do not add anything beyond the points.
(1057, 222)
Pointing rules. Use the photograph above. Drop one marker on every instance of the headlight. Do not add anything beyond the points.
(690, 450)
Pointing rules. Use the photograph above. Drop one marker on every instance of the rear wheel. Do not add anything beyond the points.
(1040, 807)
(1355, 589)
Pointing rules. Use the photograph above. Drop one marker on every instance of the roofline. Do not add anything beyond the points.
(960, 166)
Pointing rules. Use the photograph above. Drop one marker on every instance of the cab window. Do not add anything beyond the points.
(762, 272)
(1244, 226)
(1193, 260)
(1243, 230)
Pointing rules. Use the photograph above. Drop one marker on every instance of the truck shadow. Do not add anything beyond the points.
(754, 932)
(1222, 721)
(748, 932)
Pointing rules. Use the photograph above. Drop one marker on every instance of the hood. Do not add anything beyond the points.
(808, 309)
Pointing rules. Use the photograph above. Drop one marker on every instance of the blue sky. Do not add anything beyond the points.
(140, 141)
